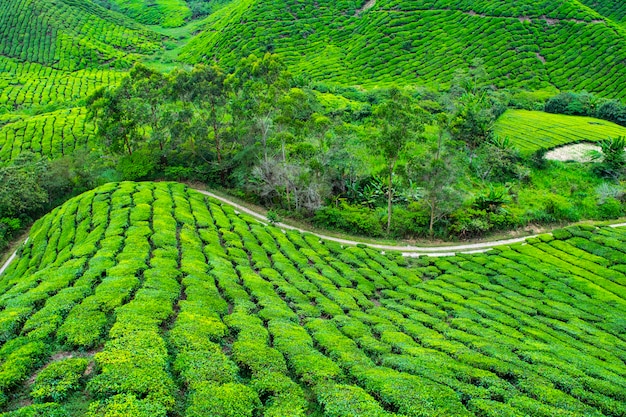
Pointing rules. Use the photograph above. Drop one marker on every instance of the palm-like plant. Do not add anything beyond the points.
(613, 156)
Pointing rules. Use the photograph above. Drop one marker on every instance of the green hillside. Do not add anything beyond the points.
(535, 45)
(70, 35)
(613, 9)
(27, 85)
(166, 13)
(59, 51)
(52, 134)
(532, 130)
(149, 299)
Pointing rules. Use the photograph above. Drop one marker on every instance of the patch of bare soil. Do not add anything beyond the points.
(578, 152)
(368, 5)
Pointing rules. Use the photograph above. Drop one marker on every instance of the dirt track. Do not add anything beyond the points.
(409, 251)
(406, 250)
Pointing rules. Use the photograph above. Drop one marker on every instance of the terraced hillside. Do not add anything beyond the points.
(613, 9)
(52, 134)
(70, 35)
(532, 130)
(536, 45)
(151, 300)
(53, 54)
(59, 51)
(166, 13)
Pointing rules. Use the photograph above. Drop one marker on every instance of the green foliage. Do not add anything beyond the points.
(162, 12)
(352, 219)
(232, 400)
(125, 405)
(544, 54)
(39, 410)
(253, 321)
(613, 157)
(347, 400)
(59, 379)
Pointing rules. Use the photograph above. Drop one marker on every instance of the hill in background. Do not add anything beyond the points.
(533, 45)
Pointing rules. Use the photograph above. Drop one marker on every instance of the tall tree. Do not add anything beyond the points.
(437, 174)
(130, 114)
(400, 121)
(258, 84)
(204, 88)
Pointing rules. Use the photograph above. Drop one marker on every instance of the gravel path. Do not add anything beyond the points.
(408, 250)
(8, 261)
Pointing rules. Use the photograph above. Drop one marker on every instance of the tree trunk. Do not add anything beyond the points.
(389, 197)
(218, 153)
(433, 205)
(128, 148)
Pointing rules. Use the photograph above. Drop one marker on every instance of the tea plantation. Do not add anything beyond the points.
(150, 299)
(536, 45)
(533, 130)
(166, 13)
(54, 134)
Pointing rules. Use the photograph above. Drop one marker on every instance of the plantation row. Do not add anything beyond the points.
(614, 9)
(53, 135)
(70, 35)
(166, 13)
(530, 131)
(524, 8)
(27, 85)
(194, 309)
(393, 42)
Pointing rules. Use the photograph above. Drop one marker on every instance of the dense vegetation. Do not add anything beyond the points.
(166, 13)
(613, 9)
(535, 45)
(439, 161)
(149, 297)
(70, 35)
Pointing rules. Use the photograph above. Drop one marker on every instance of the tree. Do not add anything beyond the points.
(437, 174)
(129, 115)
(258, 84)
(473, 106)
(473, 119)
(204, 88)
(400, 121)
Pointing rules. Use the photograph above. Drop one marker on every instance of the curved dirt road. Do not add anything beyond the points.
(407, 250)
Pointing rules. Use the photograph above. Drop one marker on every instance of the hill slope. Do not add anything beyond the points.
(187, 305)
(535, 45)
(56, 52)
(613, 9)
(533, 130)
(53, 134)
(70, 34)
(53, 54)
(167, 13)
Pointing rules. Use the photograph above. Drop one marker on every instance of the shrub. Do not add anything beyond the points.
(59, 379)
(348, 401)
(352, 219)
(228, 400)
(125, 405)
(140, 165)
(39, 410)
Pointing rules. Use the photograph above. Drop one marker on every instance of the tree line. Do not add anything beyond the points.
(395, 162)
